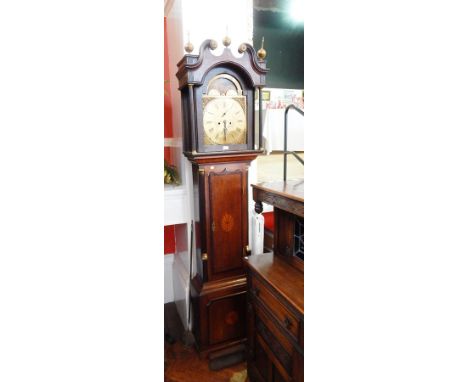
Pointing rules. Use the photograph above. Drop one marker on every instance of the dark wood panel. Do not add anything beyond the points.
(261, 361)
(284, 227)
(298, 367)
(278, 196)
(261, 315)
(276, 319)
(227, 223)
(221, 204)
(192, 68)
(277, 353)
(254, 375)
(284, 244)
(286, 280)
(221, 200)
(226, 318)
(277, 377)
(285, 317)
(290, 189)
(287, 197)
(238, 157)
(268, 241)
(219, 309)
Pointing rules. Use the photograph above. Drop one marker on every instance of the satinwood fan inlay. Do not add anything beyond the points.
(231, 318)
(227, 222)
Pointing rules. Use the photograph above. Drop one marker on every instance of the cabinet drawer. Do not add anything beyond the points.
(285, 318)
(279, 348)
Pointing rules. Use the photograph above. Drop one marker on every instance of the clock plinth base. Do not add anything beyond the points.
(219, 311)
(227, 357)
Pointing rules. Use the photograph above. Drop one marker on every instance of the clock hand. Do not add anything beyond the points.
(225, 130)
(227, 110)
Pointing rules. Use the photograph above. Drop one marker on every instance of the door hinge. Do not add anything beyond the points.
(213, 226)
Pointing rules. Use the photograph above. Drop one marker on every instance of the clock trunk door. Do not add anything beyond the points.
(228, 221)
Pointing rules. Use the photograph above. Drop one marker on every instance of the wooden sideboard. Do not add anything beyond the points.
(275, 282)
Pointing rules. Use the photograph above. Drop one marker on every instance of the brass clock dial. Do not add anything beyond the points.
(224, 120)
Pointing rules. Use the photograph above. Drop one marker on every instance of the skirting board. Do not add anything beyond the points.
(168, 279)
(181, 287)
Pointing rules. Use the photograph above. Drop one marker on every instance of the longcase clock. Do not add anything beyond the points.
(220, 139)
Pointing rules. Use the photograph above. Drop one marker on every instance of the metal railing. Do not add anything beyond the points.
(285, 151)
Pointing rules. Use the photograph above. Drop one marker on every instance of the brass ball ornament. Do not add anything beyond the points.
(226, 41)
(261, 53)
(188, 47)
(242, 48)
(213, 44)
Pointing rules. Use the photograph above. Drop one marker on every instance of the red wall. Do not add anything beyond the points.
(269, 221)
(169, 239)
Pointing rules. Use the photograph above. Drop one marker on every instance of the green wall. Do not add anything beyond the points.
(284, 43)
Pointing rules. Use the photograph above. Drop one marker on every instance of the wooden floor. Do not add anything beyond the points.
(182, 363)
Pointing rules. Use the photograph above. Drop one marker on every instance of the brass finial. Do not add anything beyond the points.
(189, 46)
(242, 48)
(213, 44)
(261, 53)
(226, 39)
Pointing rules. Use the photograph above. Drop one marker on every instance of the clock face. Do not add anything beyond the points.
(224, 120)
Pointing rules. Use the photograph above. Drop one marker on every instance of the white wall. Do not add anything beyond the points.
(208, 19)
(179, 272)
(168, 284)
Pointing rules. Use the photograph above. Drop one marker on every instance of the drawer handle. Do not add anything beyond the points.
(287, 323)
(255, 291)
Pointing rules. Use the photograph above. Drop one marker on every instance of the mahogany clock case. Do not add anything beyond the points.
(219, 289)
(222, 218)
(220, 192)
